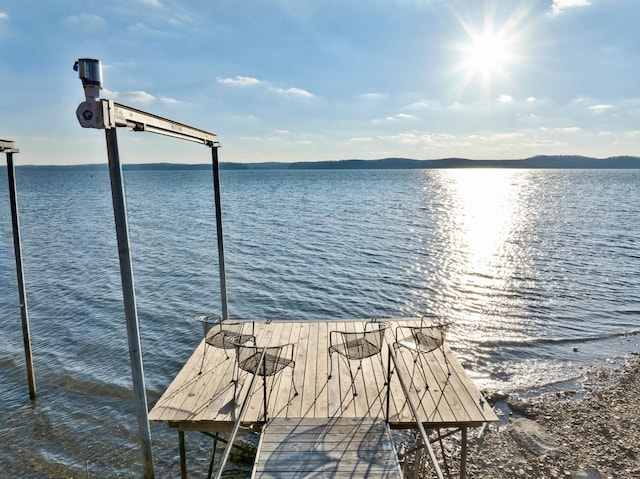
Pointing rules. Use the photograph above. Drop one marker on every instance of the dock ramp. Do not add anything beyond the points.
(326, 448)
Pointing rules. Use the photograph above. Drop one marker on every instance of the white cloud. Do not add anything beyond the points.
(251, 118)
(169, 101)
(600, 108)
(505, 99)
(422, 104)
(86, 20)
(570, 129)
(400, 116)
(293, 92)
(238, 81)
(282, 132)
(151, 3)
(145, 30)
(4, 16)
(506, 136)
(105, 93)
(560, 5)
(372, 96)
(531, 99)
(138, 97)
(251, 138)
(413, 138)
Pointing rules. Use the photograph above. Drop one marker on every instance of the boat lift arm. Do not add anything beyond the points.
(105, 114)
(108, 115)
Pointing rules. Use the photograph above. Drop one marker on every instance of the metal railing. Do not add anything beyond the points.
(414, 410)
(236, 426)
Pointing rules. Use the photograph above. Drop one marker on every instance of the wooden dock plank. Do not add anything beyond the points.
(322, 390)
(334, 398)
(295, 408)
(270, 337)
(343, 447)
(282, 392)
(399, 410)
(310, 377)
(216, 402)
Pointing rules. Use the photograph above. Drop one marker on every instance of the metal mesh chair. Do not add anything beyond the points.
(276, 358)
(427, 337)
(357, 346)
(224, 334)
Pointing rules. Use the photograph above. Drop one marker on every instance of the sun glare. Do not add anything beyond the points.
(487, 54)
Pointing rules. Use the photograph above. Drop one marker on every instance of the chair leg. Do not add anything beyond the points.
(383, 368)
(330, 365)
(204, 352)
(264, 385)
(353, 380)
(419, 367)
(446, 361)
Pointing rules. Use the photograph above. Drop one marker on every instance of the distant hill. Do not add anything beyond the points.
(555, 162)
(534, 162)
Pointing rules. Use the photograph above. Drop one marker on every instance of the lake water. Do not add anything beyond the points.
(538, 269)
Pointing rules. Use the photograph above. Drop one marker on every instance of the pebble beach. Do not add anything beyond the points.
(589, 434)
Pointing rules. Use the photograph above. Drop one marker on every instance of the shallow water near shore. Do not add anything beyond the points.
(538, 270)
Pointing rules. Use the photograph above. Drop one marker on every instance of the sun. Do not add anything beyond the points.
(488, 54)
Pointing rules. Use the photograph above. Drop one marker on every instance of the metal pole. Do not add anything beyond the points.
(414, 411)
(183, 455)
(463, 454)
(128, 292)
(216, 192)
(388, 381)
(243, 408)
(24, 313)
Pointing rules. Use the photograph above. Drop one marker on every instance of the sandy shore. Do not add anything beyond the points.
(559, 436)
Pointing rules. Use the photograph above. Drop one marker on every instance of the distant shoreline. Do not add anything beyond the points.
(534, 162)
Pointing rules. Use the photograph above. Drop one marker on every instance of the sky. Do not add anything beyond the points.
(291, 80)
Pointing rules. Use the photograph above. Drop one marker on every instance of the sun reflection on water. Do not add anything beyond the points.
(487, 202)
(487, 220)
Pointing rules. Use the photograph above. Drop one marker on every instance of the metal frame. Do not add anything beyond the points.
(392, 366)
(8, 148)
(414, 410)
(108, 115)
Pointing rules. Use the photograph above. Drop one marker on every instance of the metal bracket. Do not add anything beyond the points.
(7, 146)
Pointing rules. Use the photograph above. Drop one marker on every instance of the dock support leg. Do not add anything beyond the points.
(183, 456)
(129, 297)
(213, 456)
(26, 335)
(219, 233)
(463, 455)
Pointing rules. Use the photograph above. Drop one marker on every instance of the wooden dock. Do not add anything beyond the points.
(207, 401)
